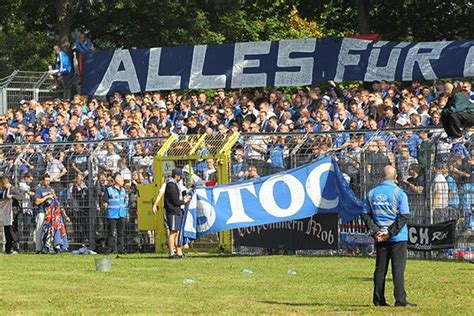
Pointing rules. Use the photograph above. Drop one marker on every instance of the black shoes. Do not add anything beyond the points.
(407, 304)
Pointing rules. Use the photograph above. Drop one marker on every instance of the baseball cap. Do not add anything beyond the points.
(327, 98)
(178, 124)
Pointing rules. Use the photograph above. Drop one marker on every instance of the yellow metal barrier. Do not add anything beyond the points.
(179, 151)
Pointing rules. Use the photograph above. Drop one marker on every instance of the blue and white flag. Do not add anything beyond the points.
(299, 193)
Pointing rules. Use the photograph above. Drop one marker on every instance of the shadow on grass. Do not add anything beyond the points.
(367, 279)
(164, 257)
(314, 304)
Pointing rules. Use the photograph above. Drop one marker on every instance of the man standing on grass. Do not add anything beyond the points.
(174, 214)
(116, 204)
(386, 214)
(10, 202)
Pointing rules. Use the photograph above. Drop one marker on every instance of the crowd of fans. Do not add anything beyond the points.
(352, 123)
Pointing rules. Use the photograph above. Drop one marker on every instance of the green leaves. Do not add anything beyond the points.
(28, 28)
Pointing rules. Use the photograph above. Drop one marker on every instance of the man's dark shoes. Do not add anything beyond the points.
(381, 304)
(407, 304)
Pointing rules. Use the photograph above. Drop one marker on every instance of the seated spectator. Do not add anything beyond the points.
(63, 66)
(458, 112)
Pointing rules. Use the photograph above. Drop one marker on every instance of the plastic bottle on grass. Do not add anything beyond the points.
(247, 272)
(189, 282)
(291, 272)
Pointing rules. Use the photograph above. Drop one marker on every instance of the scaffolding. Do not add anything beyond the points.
(192, 153)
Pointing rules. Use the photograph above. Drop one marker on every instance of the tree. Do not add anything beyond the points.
(363, 16)
(28, 28)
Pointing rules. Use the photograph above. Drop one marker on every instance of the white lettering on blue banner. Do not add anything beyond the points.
(299, 193)
(283, 63)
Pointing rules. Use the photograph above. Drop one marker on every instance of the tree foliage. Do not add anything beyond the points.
(28, 28)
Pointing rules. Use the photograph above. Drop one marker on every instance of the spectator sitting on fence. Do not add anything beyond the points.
(458, 112)
(63, 66)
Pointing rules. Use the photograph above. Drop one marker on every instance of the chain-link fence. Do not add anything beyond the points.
(435, 172)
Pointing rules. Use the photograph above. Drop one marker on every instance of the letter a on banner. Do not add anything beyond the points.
(113, 74)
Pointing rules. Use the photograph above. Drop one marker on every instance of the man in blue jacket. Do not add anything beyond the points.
(63, 65)
(116, 203)
(386, 213)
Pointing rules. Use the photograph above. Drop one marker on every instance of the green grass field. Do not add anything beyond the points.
(154, 284)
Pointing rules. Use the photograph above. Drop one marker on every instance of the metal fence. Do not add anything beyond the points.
(435, 173)
(33, 85)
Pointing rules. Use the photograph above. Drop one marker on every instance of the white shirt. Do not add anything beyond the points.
(440, 186)
(26, 203)
(112, 161)
(54, 168)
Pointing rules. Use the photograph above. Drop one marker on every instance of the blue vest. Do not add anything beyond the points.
(117, 204)
(384, 203)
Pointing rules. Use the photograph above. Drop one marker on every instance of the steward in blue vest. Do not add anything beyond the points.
(386, 214)
(117, 211)
(117, 202)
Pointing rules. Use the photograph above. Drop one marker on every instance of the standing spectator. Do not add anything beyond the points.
(110, 163)
(210, 173)
(27, 207)
(253, 173)
(415, 187)
(55, 169)
(82, 46)
(375, 161)
(404, 162)
(276, 149)
(79, 160)
(116, 203)
(43, 197)
(173, 202)
(239, 166)
(426, 150)
(10, 199)
(467, 203)
(453, 193)
(78, 199)
(25, 189)
(439, 195)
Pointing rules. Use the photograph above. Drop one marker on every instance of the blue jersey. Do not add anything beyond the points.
(453, 197)
(384, 203)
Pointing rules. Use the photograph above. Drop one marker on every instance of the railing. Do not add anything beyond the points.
(361, 155)
(27, 85)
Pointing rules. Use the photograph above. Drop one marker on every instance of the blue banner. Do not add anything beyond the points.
(297, 62)
(316, 188)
